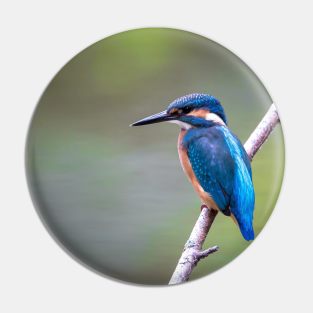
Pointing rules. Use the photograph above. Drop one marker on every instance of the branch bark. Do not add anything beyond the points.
(193, 252)
(262, 132)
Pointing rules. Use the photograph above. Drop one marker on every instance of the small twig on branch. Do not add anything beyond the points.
(204, 253)
(193, 252)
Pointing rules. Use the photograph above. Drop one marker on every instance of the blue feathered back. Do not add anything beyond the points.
(223, 169)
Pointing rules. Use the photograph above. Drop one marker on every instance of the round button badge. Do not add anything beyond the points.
(155, 156)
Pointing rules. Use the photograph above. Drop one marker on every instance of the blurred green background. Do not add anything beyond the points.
(116, 196)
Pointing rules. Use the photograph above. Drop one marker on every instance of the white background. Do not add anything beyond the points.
(274, 38)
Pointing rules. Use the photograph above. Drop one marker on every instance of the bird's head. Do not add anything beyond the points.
(193, 110)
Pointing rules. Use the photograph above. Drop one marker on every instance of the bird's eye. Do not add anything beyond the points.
(186, 110)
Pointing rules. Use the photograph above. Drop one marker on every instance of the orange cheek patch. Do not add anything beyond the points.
(199, 113)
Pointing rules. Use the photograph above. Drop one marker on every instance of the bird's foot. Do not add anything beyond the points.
(203, 206)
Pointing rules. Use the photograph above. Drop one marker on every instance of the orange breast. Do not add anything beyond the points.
(185, 163)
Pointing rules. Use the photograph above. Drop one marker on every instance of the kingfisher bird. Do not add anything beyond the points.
(212, 157)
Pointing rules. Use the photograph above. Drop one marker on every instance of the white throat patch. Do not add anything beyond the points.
(181, 124)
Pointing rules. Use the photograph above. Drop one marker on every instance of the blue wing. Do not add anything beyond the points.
(223, 169)
(212, 164)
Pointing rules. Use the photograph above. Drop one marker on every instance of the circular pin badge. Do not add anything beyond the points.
(155, 156)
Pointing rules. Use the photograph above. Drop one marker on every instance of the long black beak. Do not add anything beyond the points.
(156, 118)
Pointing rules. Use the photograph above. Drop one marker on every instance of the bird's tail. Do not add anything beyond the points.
(246, 229)
(247, 232)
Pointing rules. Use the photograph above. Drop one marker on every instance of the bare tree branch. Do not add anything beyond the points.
(193, 252)
(262, 132)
